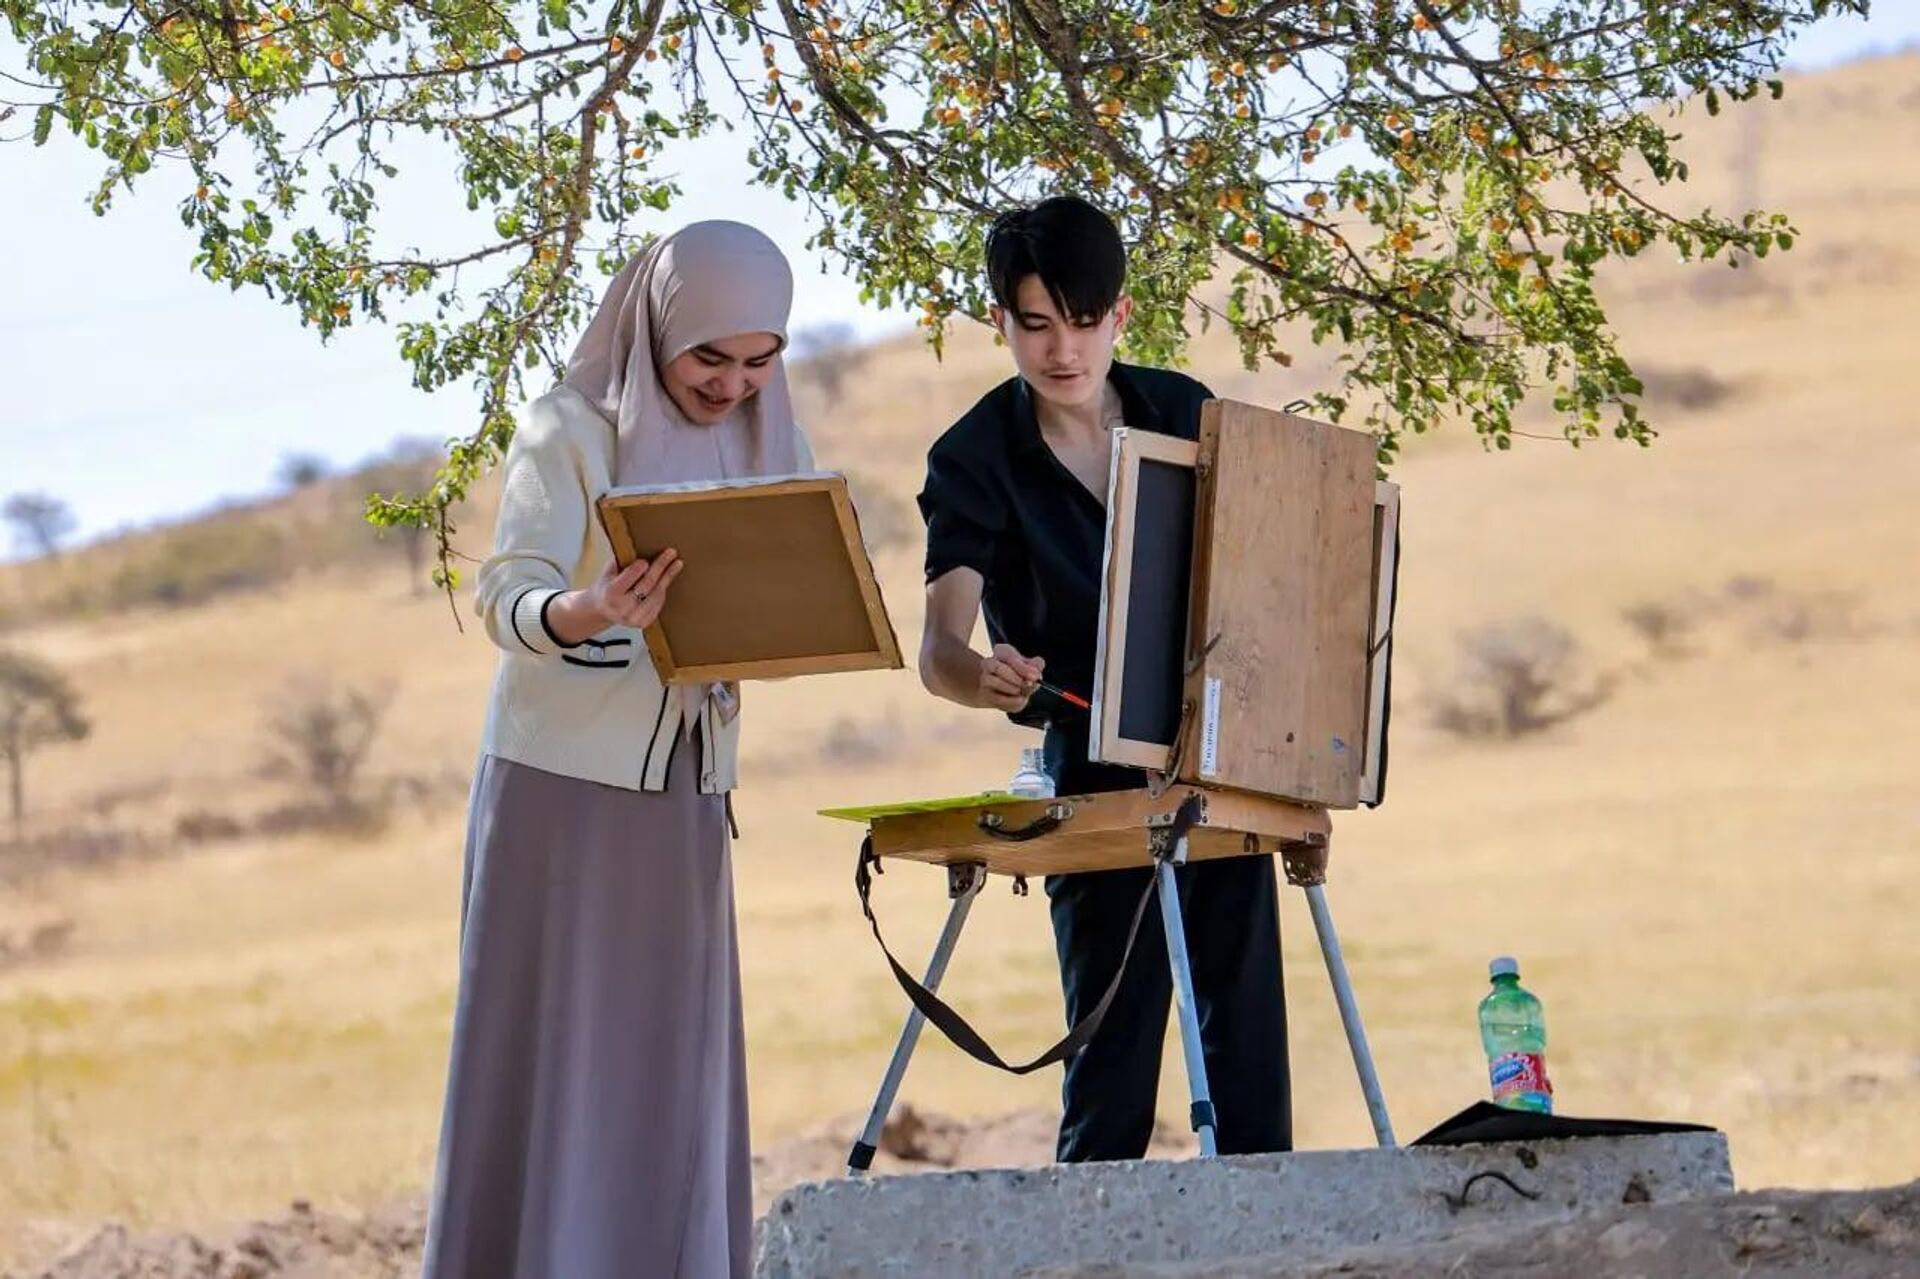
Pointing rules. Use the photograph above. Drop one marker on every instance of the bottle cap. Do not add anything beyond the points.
(1504, 966)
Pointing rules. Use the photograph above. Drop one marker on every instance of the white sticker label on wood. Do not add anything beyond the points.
(1210, 730)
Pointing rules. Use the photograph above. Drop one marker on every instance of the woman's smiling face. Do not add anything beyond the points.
(709, 381)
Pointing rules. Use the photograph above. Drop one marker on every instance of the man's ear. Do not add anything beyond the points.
(998, 314)
(1122, 312)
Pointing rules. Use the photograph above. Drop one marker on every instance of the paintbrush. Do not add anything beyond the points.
(1071, 699)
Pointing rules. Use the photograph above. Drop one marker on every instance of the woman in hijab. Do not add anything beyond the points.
(596, 1110)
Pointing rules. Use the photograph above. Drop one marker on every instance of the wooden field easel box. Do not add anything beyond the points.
(1247, 621)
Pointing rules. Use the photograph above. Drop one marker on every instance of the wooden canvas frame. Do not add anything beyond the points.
(1386, 551)
(880, 648)
(1129, 449)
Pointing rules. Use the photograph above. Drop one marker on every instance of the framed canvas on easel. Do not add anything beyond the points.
(1150, 515)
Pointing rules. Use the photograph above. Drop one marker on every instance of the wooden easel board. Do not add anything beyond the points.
(1283, 606)
(777, 580)
(1099, 832)
(1140, 652)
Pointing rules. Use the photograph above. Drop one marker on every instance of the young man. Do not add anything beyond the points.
(1016, 523)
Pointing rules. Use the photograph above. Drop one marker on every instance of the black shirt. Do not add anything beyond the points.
(997, 500)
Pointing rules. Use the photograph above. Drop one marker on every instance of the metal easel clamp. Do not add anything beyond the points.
(961, 878)
(1305, 860)
(1167, 832)
(1197, 801)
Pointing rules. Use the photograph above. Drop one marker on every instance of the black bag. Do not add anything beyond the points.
(1485, 1122)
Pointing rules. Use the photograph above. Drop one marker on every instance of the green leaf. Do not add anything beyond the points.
(904, 208)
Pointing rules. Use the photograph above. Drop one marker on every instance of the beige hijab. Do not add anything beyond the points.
(706, 281)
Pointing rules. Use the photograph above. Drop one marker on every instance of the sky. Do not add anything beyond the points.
(137, 391)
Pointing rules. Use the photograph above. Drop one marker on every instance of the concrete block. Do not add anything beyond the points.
(979, 1223)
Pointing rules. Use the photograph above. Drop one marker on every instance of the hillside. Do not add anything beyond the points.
(1709, 878)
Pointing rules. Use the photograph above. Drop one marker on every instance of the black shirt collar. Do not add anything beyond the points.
(1135, 407)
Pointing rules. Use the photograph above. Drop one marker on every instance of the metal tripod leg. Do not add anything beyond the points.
(1306, 865)
(1350, 1015)
(1175, 928)
(963, 885)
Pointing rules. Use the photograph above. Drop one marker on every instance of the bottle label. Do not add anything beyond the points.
(1515, 1074)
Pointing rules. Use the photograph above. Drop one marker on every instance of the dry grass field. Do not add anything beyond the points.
(1710, 877)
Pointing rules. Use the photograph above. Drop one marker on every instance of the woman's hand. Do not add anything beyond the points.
(1007, 679)
(634, 595)
(631, 596)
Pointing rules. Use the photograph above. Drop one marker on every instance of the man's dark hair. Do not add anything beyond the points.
(1073, 247)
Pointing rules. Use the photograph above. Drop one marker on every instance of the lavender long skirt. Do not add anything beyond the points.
(596, 1108)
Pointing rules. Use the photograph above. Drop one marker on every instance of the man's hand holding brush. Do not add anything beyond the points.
(1004, 680)
(1009, 679)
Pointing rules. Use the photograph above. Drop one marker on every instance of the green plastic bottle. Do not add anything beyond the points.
(1513, 1030)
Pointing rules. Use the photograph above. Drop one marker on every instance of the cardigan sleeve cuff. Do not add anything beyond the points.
(527, 621)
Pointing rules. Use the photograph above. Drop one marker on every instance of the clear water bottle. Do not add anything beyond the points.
(1513, 1030)
(1032, 781)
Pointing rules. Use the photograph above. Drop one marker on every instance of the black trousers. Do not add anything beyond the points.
(1230, 908)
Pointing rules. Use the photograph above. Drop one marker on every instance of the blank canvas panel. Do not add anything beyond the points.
(1139, 664)
(1157, 624)
(777, 581)
(1283, 606)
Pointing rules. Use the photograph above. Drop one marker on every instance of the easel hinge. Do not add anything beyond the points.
(1164, 821)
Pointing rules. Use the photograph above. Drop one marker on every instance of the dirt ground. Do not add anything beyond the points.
(1871, 1234)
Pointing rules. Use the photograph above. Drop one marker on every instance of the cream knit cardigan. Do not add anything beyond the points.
(595, 710)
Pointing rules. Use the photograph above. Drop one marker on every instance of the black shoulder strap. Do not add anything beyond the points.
(954, 1026)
